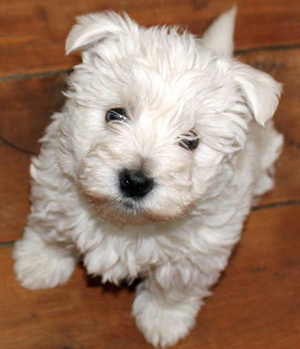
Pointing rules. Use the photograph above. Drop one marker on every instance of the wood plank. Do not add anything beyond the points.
(254, 306)
(33, 33)
(14, 192)
(26, 107)
(287, 178)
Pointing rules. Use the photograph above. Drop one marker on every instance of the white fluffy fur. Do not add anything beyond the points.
(180, 236)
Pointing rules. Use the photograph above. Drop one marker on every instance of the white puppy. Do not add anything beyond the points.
(151, 167)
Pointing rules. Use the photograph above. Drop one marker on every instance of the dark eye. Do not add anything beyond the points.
(189, 141)
(116, 114)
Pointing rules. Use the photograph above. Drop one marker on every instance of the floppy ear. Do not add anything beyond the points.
(260, 91)
(218, 37)
(91, 29)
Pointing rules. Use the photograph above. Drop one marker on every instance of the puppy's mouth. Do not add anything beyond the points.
(128, 206)
(126, 211)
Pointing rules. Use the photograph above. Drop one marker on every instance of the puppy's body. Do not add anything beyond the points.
(177, 238)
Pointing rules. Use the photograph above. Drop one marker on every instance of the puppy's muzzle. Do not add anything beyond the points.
(135, 184)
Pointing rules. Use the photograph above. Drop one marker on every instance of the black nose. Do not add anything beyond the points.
(135, 184)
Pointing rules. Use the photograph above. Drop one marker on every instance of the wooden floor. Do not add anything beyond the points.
(256, 305)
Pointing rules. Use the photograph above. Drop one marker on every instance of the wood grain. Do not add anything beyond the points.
(26, 107)
(33, 32)
(254, 306)
(14, 192)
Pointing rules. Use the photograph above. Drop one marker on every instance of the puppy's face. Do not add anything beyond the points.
(155, 118)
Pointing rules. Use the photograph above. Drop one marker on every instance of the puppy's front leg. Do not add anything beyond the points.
(40, 263)
(168, 301)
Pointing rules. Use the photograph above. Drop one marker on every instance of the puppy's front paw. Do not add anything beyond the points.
(162, 325)
(41, 266)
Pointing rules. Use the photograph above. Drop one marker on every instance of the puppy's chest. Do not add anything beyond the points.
(126, 257)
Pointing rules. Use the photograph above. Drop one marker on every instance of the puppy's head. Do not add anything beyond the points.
(155, 116)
